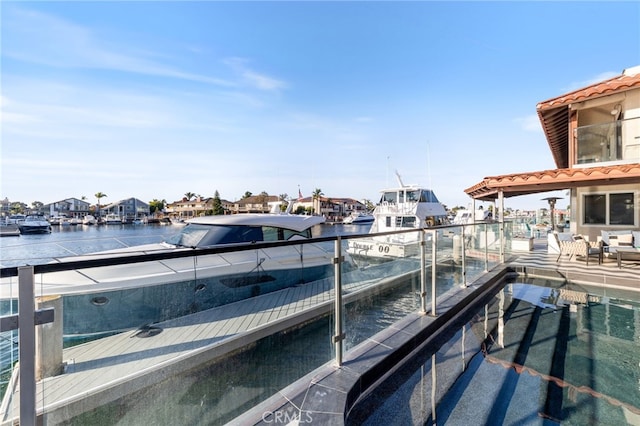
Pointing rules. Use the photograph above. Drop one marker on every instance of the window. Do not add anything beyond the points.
(609, 209)
(405, 222)
(595, 209)
(389, 197)
(621, 209)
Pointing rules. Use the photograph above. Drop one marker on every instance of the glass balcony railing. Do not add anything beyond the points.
(173, 338)
(607, 142)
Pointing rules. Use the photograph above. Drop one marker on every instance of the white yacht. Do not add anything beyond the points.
(358, 218)
(401, 208)
(89, 220)
(112, 219)
(129, 296)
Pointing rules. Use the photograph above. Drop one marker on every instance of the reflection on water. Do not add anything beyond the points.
(539, 350)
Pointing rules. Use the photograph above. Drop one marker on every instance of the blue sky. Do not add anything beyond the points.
(156, 99)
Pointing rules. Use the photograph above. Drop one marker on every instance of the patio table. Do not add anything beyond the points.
(625, 251)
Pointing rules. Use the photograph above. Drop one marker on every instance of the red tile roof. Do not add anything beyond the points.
(551, 180)
(616, 84)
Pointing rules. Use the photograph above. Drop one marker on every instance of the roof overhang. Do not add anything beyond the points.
(552, 180)
(554, 114)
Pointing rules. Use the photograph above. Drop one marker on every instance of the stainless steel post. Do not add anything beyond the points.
(423, 272)
(464, 262)
(338, 337)
(434, 245)
(486, 248)
(27, 335)
(502, 241)
(434, 386)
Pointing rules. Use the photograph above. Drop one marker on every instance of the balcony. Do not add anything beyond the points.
(617, 141)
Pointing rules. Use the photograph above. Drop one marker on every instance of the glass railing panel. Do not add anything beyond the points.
(493, 244)
(381, 283)
(613, 141)
(467, 242)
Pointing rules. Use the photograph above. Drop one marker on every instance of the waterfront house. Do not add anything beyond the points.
(254, 204)
(69, 207)
(594, 137)
(127, 209)
(334, 209)
(190, 208)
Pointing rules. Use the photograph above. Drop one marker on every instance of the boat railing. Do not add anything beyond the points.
(442, 259)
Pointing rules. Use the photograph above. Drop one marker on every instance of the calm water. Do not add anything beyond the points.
(76, 240)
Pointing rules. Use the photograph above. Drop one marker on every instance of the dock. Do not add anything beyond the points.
(104, 370)
(9, 231)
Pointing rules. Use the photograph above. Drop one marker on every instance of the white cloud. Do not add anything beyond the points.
(254, 78)
(45, 39)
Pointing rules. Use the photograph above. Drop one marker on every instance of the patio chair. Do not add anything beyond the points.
(578, 246)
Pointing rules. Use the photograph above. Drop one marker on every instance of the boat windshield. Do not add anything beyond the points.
(427, 196)
(195, 235)
(409, 196)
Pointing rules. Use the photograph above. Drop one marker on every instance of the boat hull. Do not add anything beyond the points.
(35, 229)
(107, 300)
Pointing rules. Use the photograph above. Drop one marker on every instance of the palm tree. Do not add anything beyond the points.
(100, 195)
(189, 195)
(317, 193)
(156, 205)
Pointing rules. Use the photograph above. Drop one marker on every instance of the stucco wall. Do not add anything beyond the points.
(593, 231)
